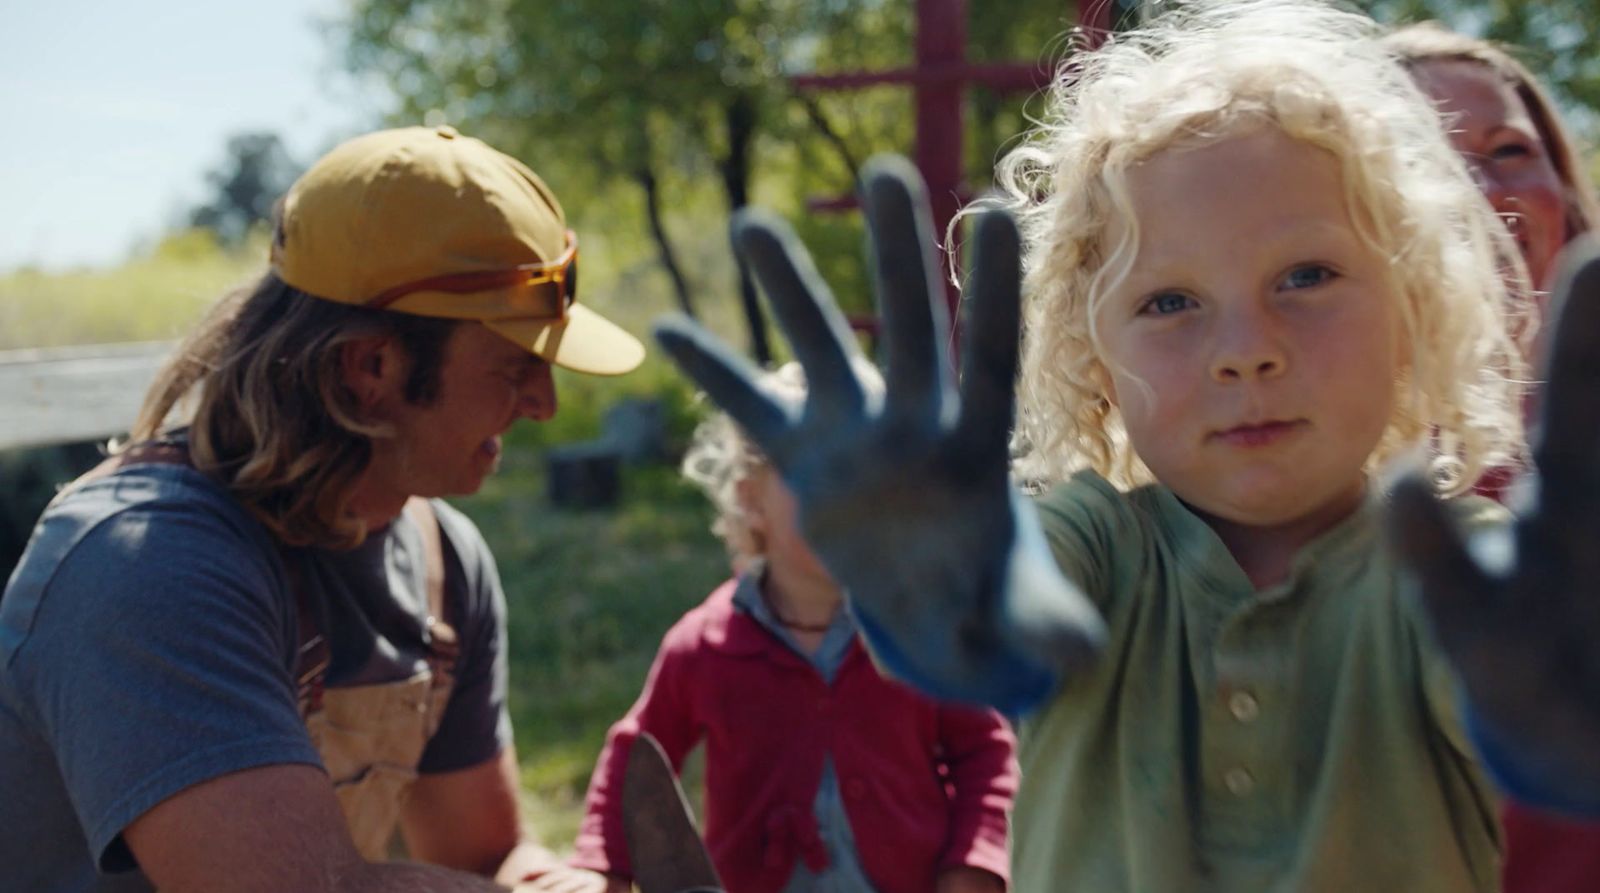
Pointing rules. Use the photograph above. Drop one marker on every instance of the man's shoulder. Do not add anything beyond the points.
(176, 489)
(152, 515)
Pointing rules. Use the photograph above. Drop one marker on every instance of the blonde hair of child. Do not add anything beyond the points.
(720, 455)
(1201, 73)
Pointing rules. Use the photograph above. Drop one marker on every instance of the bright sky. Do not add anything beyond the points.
(114, 110)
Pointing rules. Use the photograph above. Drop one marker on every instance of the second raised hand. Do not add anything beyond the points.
(909, 501)
(1524, 630)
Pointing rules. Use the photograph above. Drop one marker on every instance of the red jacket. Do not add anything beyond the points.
(925, 786)
(1550, 854)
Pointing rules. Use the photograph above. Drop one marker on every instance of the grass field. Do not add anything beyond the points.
(590, 594)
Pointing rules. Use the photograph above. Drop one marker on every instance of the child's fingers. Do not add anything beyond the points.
(805, 308)
(1458, 595)
(728, 379)
(989, 359)
(910, 295)
(1567, 447)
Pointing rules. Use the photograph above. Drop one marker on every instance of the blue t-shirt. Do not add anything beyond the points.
(148, 639)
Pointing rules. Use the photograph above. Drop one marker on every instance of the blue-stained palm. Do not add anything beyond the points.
(1520, 617)
(908, 499)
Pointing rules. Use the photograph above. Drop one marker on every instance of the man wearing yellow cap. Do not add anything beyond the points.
(252, 650)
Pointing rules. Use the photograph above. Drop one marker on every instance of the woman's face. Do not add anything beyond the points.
(1495, 134)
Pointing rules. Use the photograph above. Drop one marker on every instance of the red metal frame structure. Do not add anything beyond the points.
(939, 80)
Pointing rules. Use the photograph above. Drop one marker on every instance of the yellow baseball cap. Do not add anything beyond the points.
(424, 220)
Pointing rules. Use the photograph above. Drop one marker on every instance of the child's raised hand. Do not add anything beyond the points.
(909, 503)
(1524, 633)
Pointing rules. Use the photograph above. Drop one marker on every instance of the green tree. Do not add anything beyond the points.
(1553, 37)
(627, 89)
(255, 173)
(662, 92)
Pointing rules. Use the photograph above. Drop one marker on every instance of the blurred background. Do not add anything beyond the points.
(147, 143)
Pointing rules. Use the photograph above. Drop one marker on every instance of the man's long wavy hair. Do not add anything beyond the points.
(260, 386)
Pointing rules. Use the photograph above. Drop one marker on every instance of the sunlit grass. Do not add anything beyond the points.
(150, 298)
(590, 593)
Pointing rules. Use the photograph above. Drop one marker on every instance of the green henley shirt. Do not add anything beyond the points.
(1301, 738)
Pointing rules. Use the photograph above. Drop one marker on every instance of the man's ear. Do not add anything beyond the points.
(373, 368)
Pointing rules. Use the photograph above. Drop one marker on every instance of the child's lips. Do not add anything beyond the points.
(1260, 434)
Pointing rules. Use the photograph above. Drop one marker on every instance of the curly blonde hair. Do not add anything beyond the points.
(1199, 74)
(720, 455)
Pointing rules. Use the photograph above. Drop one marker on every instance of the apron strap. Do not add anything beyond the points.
(443, 644)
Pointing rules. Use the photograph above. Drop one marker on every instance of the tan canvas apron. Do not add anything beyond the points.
(371, 737)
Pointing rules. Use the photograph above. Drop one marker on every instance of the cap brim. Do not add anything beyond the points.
(584, 342)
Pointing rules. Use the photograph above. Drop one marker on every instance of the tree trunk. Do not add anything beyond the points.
(647, 181)
(740, 119)
(819, 120)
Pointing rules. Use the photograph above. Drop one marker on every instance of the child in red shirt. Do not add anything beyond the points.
(820, 774)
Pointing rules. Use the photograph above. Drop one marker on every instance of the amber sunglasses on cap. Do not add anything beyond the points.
(542, 291)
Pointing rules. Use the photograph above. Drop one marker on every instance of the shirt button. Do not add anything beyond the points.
(1244, 706)
(1239, 781)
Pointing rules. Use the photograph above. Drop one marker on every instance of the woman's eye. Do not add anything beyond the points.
(1166, 303)
(1308, 276)
(1511, 150)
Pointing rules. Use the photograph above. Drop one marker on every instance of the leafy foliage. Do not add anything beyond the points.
(1554, 38)
(256, 171)
(687, 99)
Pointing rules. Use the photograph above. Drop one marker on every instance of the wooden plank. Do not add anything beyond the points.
(61, 395)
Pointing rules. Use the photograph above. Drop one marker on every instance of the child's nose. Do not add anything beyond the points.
(1246, 369)
(1248, 351)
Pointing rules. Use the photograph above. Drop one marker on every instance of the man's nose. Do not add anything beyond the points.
(537, 399)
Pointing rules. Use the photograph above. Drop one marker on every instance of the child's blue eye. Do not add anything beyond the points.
(1165, 303)
(1308, 276)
